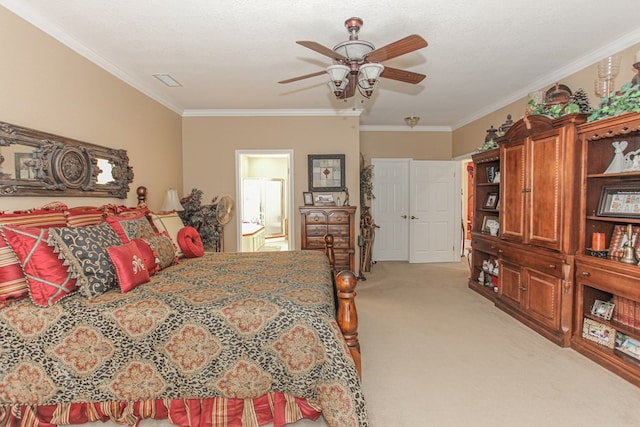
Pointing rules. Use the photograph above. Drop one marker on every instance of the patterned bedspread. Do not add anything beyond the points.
(234, 325)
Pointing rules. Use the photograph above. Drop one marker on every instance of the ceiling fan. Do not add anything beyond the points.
(357, 62)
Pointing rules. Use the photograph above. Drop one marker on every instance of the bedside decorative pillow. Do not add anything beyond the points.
(190, 242)
(170, 223)
(129, 264)
(13, 283)
(148, 256)
(79, 217)
(49, 280)
(84, 250)
(164, 250)
(131, 226)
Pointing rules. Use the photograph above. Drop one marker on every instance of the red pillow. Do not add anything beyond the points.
(148, 256)
(190, 242)
(49, 279)
(13, 284)
(128, 262)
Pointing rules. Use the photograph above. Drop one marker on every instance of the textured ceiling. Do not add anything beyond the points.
(230, 54)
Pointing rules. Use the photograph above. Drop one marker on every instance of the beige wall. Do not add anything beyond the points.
(47, 86)
(210, 143)
(413, 145)
(470, 136)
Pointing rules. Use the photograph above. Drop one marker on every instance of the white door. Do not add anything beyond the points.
(434, 230)
(390, 209)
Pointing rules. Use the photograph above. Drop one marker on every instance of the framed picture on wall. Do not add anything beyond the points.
(326, 172)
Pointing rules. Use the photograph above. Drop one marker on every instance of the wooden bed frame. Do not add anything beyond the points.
(345, 282)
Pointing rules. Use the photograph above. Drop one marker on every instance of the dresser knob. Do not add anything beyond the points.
(586, 273)
(552, 266)
(316, 218)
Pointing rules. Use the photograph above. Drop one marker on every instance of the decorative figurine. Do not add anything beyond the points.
(617, 163)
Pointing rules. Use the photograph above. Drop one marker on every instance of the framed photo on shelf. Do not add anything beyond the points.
(308, 198)
(323, 200)
(599, 333)
(490, 222)
(630, 347)
(619, 240)
(326, 172)
(619, 201)
(493, 172)
(490, 201)
(602, 309)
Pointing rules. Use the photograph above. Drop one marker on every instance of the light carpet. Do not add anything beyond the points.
(436, 353)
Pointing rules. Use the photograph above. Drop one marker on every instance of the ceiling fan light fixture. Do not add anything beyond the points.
(368, 78)
(338, 78)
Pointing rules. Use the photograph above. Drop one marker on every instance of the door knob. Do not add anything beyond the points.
(414, 217)
(403, 217)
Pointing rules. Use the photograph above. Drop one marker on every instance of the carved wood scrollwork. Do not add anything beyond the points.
(35, 163)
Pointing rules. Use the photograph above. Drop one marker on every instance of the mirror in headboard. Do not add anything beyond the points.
(35, 163)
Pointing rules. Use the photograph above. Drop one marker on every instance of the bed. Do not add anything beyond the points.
(224, 339)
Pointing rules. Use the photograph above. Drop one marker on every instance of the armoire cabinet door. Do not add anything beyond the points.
(513, 191)
(546, 172)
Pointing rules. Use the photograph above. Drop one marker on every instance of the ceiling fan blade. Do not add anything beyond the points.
(402, 75)
(397, 48)
(351, 87)
(306, 76)
(323, 50)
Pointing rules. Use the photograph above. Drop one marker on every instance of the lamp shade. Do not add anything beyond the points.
(171, 201)
(339, 77)
(371, 71)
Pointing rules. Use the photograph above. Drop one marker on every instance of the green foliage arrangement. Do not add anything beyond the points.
(366, 183)
(626, 100)
(201, 217)
(554, 111)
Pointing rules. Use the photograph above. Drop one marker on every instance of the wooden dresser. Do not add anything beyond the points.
(339, 221)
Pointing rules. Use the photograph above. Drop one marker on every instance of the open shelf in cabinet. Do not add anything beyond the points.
(613, 282)
(484, 265)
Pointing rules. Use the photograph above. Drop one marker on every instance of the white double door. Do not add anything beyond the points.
(417, 206)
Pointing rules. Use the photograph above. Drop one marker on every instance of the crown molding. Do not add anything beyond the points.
(270, 113)
(396, 128)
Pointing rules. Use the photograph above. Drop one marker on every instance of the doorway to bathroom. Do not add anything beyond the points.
(264, 187)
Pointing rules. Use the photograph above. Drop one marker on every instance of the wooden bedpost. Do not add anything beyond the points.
(329, 252)
(142, 196)
(346, 283)
(347, 315)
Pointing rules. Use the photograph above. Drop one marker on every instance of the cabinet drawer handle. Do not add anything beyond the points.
(492, 246)
(500, 251)
(316, 218)
(552, 266)
(586, 274)
(522, 288)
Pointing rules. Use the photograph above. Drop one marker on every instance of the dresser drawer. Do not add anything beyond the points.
(318, 242)
(315, 218)
(316, 230)
(535, 260)
(486, 245)
(338, 217)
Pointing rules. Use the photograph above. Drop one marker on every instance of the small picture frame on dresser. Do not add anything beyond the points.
(323, 199)
(308, 198)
